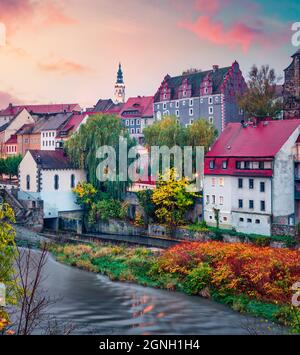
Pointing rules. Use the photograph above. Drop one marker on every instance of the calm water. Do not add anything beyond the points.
(98, 306)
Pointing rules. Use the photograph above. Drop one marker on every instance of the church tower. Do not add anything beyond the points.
(119, 95)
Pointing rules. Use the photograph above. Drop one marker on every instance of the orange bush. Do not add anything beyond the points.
(263, 273)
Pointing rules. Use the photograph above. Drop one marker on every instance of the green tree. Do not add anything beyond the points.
(261, 100)
(7, 255)
(201, 133)
(172, 199)
(100, 130)
(11, 165)
(145, 200)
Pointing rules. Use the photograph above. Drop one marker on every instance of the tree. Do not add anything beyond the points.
(165, 132)
(10, 165)
(145, 200)
(7, 255)
(100, 130)
(172, 199)
(201, 133)
(260, 100)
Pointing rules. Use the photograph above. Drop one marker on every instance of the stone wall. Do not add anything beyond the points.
(281, 229)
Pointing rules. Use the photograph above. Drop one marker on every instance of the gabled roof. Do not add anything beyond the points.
(12, 110)
(55, 122)
(26, 129)
(55, 159)
(12, 140)
(103, 105)
(195, 79)
(3, 127)
(140, 106)
(73, 123)
(263, 140)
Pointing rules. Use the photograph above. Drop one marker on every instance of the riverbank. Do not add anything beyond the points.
(249, 279)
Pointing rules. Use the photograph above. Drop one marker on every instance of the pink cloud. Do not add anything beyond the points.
(212, 6)
(236, 35)
(63, 66)
(6, 98)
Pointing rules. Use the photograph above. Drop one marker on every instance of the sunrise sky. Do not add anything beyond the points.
(68, 50)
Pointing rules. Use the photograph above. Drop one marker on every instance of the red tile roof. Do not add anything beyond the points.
(12, 110)
(140, 106)
(73, 123)
(264, 140)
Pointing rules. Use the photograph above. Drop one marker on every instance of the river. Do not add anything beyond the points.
(96, 305)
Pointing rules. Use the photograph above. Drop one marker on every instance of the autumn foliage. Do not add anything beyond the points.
(266, 274)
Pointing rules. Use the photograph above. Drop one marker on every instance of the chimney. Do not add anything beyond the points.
(215, 67)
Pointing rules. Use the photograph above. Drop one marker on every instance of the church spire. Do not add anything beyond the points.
(119, 95)
(120, 75)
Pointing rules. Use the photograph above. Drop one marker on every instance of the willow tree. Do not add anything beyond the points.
(100, 130)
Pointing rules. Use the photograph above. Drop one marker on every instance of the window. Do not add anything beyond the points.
(191, 112)
(257, 221)
(184, 93)
(241, 219)
(240, 183)
(164, 106)
(132, 131)
(177, 113)
(28, 182)
(213, 199)
(262, 205)
(157, 107)
(261, 165)
(201, 101)
(177, 104)
(210, 100)
(210, 110)
(262, 186)
(205, 90)
(251, 204)
(249, 220)
(191, 121)
(251, 184)
(127, 122)
(137, 130)
(217, 99)
(183, 102)
(240, 203)
(247, 165)
(224, 164)
(72, 181)
(221, 181)
(56, 182)
(224, 219)
(191, 102)
(221, 200)
(137, 122)
(211, 164)
(207, 199)
(213, 182)
(132, 122)
(238, 165)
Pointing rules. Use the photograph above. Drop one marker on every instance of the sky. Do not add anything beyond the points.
(68, 51)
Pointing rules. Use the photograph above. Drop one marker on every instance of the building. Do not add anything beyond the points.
(250, 177)
(210, 94)
(36, 110)
(49, 176)
(291, 88)
(119, 93)
(136, 114)
(11, 127)
(11, 146)
(72, 126)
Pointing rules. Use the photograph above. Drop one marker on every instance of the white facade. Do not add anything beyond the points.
(244, 206)
(53, 187)
(48, 140)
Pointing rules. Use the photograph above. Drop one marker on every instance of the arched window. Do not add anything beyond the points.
(28, 182)
(56, 182)
(72, 181)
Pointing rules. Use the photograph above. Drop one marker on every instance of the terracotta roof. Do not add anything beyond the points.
(55, 159)
(140, 106)
(263, 140)
(12, 110)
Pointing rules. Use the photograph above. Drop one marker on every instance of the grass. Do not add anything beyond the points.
(141, 266)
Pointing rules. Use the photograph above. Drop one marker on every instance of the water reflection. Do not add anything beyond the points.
(98, 306)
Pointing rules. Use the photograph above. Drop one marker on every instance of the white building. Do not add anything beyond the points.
(250, 178)
(49, 176)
